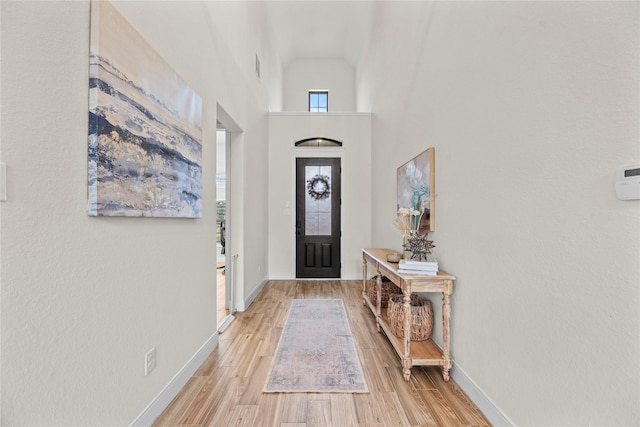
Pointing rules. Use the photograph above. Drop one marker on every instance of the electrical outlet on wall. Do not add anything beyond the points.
(149, 361)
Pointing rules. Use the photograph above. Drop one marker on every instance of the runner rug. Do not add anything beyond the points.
(316, 351)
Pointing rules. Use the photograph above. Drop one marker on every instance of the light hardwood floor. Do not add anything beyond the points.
(227, 389)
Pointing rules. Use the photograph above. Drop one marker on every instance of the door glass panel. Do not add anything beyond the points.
(318, 200)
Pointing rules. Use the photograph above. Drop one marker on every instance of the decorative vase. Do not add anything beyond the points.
(406, 253)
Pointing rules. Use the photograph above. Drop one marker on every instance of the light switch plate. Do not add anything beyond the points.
(3, 182)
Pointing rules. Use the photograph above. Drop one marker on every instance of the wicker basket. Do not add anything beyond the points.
(421, 317)
(388, 288)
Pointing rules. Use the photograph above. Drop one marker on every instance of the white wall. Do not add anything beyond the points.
(531, 107)
(333, 75)
(83, 299)
(354, 130)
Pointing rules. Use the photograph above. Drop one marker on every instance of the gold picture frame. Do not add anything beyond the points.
(416, 188)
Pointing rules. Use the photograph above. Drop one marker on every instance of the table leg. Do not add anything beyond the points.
(446, 315)
(378, 299)
(406, 360)
(364, 280)
(406, 369)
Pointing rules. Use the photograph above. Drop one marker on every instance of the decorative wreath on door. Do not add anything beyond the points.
(318, 187)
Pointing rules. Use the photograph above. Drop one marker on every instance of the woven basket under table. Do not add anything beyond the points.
(421, 317)
(388, 288)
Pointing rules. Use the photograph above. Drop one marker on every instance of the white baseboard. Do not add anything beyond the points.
(490, 410)
(171, 390)
(286, 276)
(248, 300)
(222, 326)
(282, 276)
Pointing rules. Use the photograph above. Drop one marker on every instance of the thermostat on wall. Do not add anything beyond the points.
(628, 183)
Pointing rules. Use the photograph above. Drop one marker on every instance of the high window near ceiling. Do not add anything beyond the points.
(318, 101)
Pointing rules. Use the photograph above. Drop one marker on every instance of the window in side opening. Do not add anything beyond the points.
(318, 101)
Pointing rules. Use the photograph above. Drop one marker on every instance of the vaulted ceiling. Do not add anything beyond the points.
(320, 29)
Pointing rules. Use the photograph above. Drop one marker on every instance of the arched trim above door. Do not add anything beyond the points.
(318, 142)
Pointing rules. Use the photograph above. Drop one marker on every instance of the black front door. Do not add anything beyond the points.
(318, 218)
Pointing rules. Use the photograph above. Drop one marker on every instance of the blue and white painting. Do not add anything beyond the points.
(145, 134)
(416, 192)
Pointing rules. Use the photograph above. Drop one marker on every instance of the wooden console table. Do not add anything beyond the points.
(412, 353)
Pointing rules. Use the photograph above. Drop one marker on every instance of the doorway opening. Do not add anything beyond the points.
(228, 213)
(223, 278)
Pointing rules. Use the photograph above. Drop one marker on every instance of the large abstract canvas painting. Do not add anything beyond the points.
(416, 192)
(145, 134)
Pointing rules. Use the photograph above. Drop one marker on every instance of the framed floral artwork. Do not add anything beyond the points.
(416, 191)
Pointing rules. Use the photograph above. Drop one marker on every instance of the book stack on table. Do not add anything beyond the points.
(428, 268)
